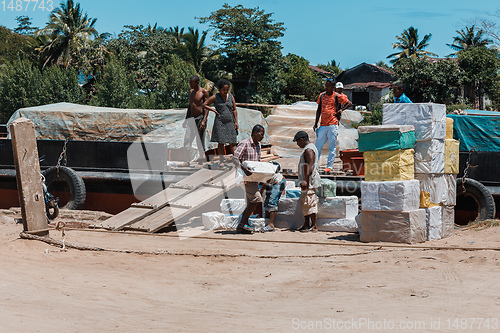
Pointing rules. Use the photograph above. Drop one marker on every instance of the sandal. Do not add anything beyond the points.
(268, 229)
(244, 229)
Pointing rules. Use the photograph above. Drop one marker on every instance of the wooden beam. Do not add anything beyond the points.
(28, 176)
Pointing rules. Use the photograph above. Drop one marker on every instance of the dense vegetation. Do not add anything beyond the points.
(149, 66)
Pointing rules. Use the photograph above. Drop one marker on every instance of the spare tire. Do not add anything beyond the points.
(73, 181)
(480, 194)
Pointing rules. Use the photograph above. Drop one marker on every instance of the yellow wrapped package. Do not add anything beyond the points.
(451, 154)
(449, 128)
(389, 165)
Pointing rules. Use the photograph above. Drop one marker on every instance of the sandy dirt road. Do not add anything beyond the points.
(279, 282)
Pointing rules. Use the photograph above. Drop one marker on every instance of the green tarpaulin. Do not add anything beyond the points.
(390, 140)
(478, 132)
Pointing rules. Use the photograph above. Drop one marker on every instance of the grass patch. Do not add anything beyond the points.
(481, 225)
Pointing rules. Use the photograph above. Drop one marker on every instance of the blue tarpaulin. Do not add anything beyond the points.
(478, 130)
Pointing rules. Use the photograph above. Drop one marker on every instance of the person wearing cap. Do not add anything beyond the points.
(399, 95)
(308, 179)
(330, 107)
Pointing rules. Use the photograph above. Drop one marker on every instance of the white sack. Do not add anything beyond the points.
(261, 171)
(441, 187)
(397, 227)
(347, 224)
(212, 220)
(338, 207)
(429, 156)
(385, 128)
(257, 223)
(351, 116)
(231, 221)
(448, 221)
(289, 214)
(233, 206)
(434, 217)
(391, 196)
(429, 119)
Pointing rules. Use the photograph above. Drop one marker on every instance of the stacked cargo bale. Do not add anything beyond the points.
(436, 161)
(286, 120)
(389, 195)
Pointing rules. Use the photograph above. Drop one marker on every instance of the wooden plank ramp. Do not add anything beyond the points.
(159, 201)
(183, 205)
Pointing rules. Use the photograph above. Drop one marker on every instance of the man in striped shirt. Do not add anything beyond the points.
(249, 150)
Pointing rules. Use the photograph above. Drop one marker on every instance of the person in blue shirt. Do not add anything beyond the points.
(399, 95)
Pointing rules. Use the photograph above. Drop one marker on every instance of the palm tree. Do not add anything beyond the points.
(470, 37)
(193, 48)
(177, 34)
(409, 45)
(68, 30)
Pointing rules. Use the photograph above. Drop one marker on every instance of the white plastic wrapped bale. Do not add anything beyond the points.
(448, 221)
(437, 189)
(347, 138)
(429, 119)
(212, 220)
(338, 207)
(434, 222)
(341, 225)
(257, 224)
(233, 206)
(397, 227)
(261, 171)
(231, 221)
(398, 196)
(289, 213)
(429, 156)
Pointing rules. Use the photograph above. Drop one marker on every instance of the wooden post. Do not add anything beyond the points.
(29, 182)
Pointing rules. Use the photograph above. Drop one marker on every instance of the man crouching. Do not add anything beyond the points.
(309, 180)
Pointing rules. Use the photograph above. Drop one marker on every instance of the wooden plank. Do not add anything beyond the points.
(28, 177)
(196, 199)
(159, 200)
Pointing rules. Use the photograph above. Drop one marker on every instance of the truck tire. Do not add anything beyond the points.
(73, 181)
(481, 195)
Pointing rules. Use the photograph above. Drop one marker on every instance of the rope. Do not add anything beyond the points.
(64, 245)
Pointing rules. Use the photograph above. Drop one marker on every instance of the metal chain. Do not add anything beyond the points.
(466, 170)
(63, 155)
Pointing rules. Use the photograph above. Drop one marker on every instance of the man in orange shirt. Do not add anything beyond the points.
(330, 107)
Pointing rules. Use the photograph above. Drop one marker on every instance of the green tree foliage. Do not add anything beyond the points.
(193, 49)
(145, 51)
(470, 37)
(67, 32)
(331, 67)
(480, 66)
(409, 46)
(13, 46)
(173, 89)
(437, 82)
(24, 85)
(300, 79)
(115, 88)
(24, 26)
(250, 49)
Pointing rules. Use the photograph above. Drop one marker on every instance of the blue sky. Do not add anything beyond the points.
(350, 32)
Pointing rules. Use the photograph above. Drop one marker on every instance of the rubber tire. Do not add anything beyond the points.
(481, 194)
(75, 183)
